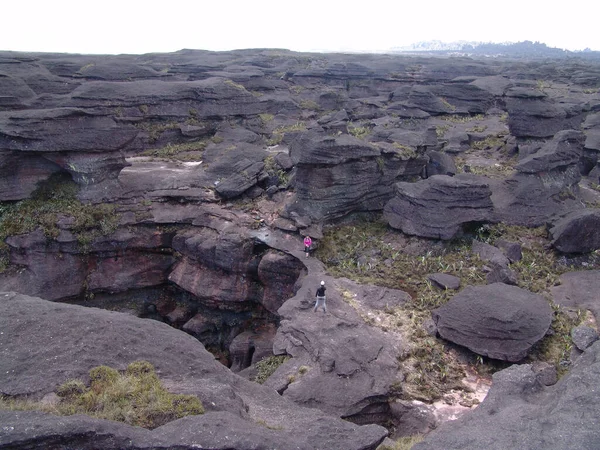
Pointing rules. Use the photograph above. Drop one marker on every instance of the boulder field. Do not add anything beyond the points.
(177, 188)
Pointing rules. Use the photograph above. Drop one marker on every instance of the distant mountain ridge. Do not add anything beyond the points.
(523, 49)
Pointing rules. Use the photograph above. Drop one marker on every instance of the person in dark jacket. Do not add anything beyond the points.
(320, 298)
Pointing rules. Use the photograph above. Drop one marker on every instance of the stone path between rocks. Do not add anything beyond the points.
(316, 272)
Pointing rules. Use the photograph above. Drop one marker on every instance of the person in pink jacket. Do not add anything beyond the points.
(307, 244)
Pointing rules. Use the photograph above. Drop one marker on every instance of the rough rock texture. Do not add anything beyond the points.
(498, 320)
(529, 414)
(445, 281)
(580, 290)
(337, 175)
(583, 337)
(439, 206)
(207, 154)
(578, 232)
(532, 114)
(235, 407)
(350, 368)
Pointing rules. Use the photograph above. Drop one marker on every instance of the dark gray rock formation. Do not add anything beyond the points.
(583, 337)
(512, 250)
(545, 183)
(532, 114)
(498, 320)
(337, 346)
(445, 281)
(489, 253)
(580, 290)
(577, 232)
(439, 206)
(529, 415)
(440, 164)
(565, 149)
(235, 407)
(337, 175)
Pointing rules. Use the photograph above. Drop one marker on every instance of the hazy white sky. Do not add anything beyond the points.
(132, 26)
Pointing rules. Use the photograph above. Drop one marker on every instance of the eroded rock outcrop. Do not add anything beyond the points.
(235, 407)
(439, 206)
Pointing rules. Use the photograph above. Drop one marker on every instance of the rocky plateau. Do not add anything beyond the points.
(152, 207)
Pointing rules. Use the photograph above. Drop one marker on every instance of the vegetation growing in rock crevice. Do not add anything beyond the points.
(267, 366)
(135, 397)
(188, 151)
(55, 198)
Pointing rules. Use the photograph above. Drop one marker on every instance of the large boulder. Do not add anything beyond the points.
(519, 412)
(577, 232)
(498, 320)
(439, 206)
(37, 342)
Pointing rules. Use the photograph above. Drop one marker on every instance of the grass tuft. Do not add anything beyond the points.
(267, 366)
(135, 397)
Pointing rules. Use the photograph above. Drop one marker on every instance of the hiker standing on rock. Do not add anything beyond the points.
(307, 244)
(321, 298)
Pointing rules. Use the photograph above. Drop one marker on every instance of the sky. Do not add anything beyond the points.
(132, 26)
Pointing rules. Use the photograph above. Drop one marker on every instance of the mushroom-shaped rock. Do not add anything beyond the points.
(439, 206)
(498, 320)
(577, 232)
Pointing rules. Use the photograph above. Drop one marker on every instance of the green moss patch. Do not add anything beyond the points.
(56, 198)
(135, 397)
(267, 367)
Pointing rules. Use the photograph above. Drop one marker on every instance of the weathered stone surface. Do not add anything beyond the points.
(579, 289)
(439, 206)
(215, 287)
(565, 149)
(583, 337)
(489, 253)
(444, 280)
(545, 373)
(533, 199)
(539, 117)
(338, 175)
(440, 164)
(500, 274)
(350, 367)
(20, 175)
(512, 250)
(278, 272)
(36, 327)
(497, 320)
(62, 130)
(578, 232)
(558, 417)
